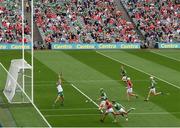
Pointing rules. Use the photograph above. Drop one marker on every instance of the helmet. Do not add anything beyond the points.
(113, 101)
(101, 89)
(151, 77)
(128, 78)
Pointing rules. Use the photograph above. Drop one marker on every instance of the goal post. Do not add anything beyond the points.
(12, 80)
(18, 87)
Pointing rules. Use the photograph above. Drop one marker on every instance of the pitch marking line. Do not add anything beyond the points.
(145, 113)
(36, 108)
(172, 58)
(137, 69)
(85, 95)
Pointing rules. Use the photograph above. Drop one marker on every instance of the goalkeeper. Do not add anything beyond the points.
(60, 96)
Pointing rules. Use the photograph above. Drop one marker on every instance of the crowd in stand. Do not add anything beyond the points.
(158, 20)
(11, 22)
(82, 21)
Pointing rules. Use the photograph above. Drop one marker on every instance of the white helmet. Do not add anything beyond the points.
(151, 77)
(128, 78)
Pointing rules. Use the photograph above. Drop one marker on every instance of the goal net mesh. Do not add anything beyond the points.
(17, 81)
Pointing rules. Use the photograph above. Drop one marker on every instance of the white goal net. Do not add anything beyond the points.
(17, 81)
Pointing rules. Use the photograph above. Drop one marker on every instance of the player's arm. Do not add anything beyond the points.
(60, 78)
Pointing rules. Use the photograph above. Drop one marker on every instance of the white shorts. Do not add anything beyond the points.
(129, 90)
(109, 110)
(124, 78)
(152, 90)
(102, 105)
(122, 110)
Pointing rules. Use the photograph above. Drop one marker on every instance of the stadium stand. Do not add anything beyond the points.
(84, 21)
(158, 20)
(11, 22)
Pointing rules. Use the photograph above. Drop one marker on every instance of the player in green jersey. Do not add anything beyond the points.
(152, 90)
(103, 97)
(123, 74)
(120, 110)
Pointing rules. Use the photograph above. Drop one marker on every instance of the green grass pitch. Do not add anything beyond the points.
(90, 70)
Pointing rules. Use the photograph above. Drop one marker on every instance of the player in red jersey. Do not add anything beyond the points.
(109, 109)
(130, 89)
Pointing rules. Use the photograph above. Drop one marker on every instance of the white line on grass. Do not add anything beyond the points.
(137, 69)
(140, 113)
(85, 95)
(172, 58)
(68, 109)
(36, 108)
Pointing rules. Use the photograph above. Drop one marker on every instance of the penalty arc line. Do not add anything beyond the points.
(136, 69)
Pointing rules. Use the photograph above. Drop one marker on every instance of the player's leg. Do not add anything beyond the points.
(130, 92)
(114, 115)
(149, 94)
(62, 100)
(104, 116)
(157, 93)
(129, 110)
(133, 94)
(124, 113)
(57, 98)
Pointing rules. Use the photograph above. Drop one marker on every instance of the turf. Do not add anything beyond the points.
(89, 70)
(16, 115)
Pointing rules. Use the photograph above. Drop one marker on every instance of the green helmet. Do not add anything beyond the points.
(101, 89)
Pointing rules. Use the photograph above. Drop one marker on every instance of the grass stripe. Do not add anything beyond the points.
(136, 113)
(178, 87)
(150, 56)
(68, 109)
(84, 95)
(172, 58)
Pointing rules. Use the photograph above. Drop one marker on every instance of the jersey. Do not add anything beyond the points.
(129, 84)
(123, 72)
(108, 104)
(103, 96)
(59, 88)
(118, 106)
(153, 82)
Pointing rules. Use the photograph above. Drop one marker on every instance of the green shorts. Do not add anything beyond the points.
(60, 94)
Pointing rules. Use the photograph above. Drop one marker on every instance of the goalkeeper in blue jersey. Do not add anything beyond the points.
(120, 110)
(152, 90)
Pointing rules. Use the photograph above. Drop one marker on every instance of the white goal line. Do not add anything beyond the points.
(27, 96)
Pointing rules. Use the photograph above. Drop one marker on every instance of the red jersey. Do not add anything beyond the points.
(129, 84)
(108, 104)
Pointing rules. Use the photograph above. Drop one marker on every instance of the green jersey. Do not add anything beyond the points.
(103, 96)
(123, 72)
(153, 82)
(117, 106)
